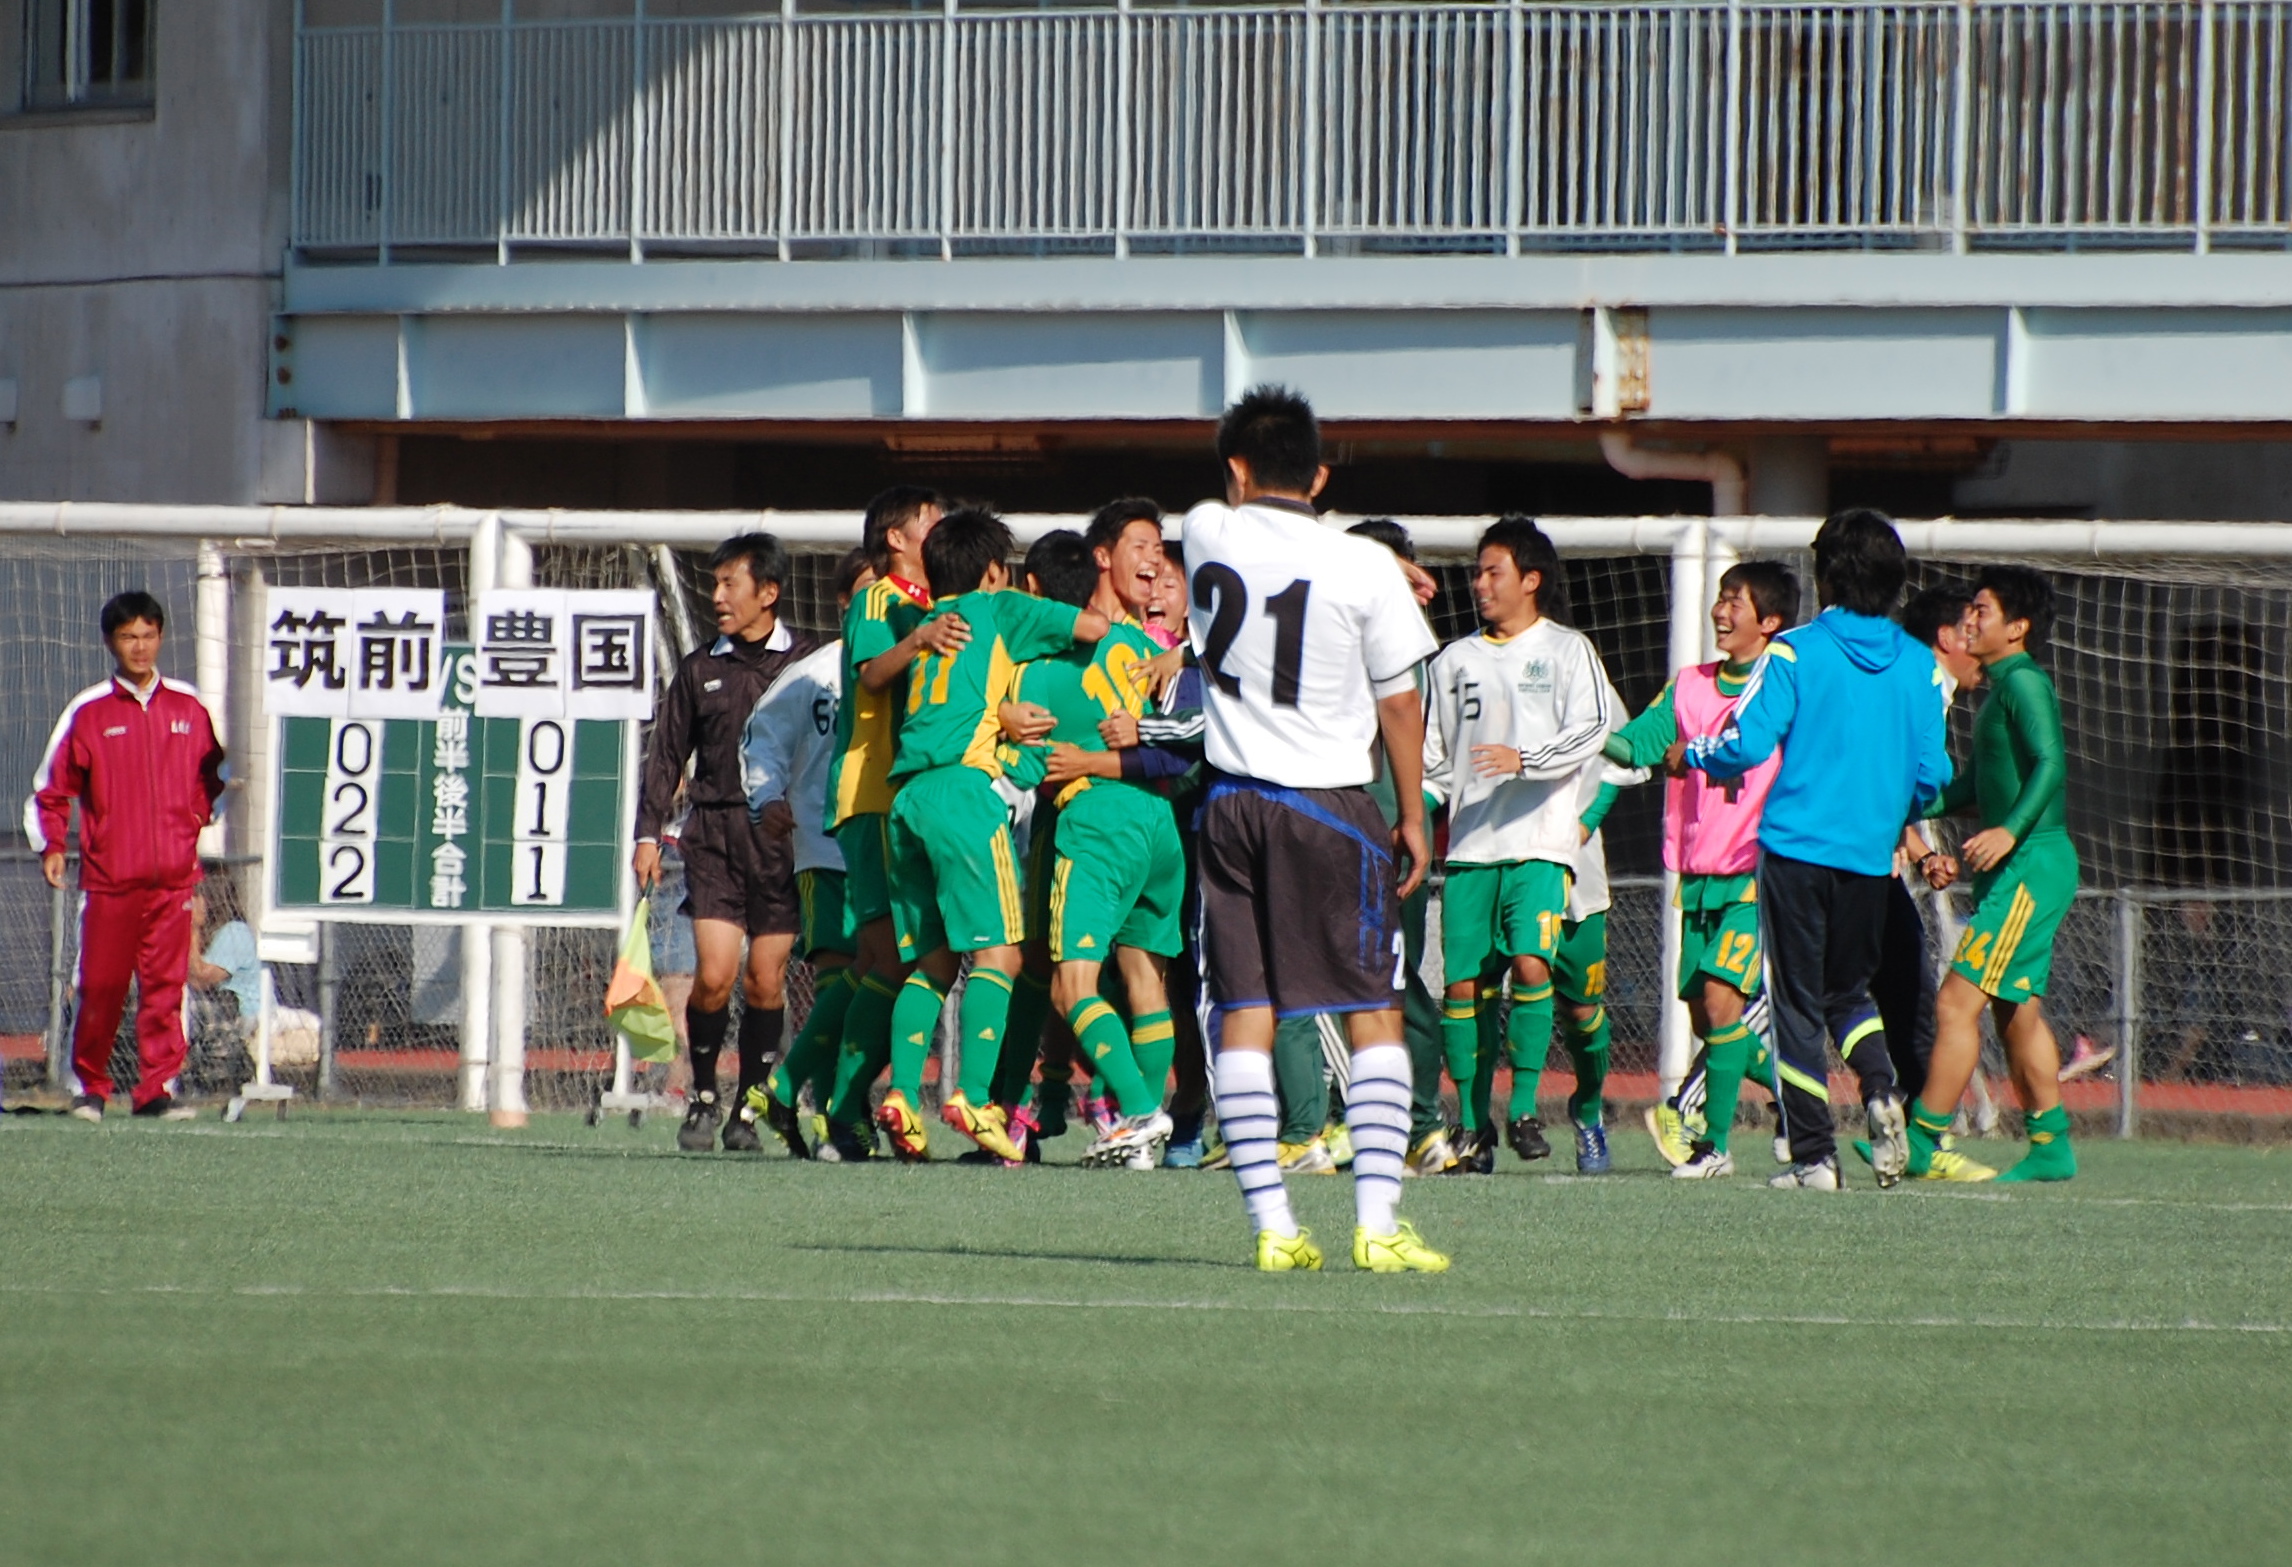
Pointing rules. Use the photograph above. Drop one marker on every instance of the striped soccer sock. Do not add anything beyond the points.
(1154, 1042)
(1460, 1042)
(986, 1011)
(1727, 1056)
(1377, 1116)
(1587, 1042)
(914, 1020)
(1250, 1117)
(1528, 1040)
(1106, 1047)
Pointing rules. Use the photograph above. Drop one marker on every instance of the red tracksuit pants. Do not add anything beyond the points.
(144, 934)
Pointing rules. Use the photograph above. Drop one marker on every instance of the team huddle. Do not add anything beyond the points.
(1160, 814)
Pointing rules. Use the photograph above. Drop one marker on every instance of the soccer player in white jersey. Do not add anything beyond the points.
(1519, 709)
(1308, 642)
(785, 753)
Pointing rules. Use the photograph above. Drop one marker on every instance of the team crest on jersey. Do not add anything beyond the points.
(1536, 677)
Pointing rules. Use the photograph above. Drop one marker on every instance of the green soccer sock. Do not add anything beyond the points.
(1300, 1079)
(1527, 1040)
(986, 1012)
(1587, 1042)
(1154, 1045)
(2050, 1158)
(914, 1020)
(1022, 1040)
(1927, 1129)
(866, 1048)
(1106, 1046)
(1460, 1042)
(811, 1059)
(1726, 1057)
(1491, 1047)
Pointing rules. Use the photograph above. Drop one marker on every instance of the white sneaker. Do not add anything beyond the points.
(86, 1107)
(1889, 1139)
(179, 1113)
(1129, 1136)
(1705, 1164)
(1782, 1150)
(1821, 1176)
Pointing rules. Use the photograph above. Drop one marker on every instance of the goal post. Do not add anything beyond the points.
(2170, 656)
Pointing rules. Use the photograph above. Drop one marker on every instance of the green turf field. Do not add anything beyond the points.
(413, 1339)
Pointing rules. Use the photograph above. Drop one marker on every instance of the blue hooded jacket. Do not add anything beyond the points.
(1856, 703)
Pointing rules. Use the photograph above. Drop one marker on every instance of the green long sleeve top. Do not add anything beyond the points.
(2020, 769)
(1642, 742)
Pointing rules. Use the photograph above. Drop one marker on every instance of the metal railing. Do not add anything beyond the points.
(1307, 128)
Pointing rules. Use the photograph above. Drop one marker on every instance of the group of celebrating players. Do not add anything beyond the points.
(1160, 813)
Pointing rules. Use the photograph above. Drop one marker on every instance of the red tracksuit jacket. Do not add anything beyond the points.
(147, 773)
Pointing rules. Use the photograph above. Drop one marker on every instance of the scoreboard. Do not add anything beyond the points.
(417, 806)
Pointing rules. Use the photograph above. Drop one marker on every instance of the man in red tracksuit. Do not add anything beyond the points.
(140, 755)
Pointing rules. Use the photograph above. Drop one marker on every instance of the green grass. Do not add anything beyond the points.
(399, 1339)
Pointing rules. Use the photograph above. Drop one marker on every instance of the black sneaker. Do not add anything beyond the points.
(848, 1144)
(164, 1108)
(1526, 1136)
(86, 1107)
(784, 1120)
(740, 1135)
(1475, 1152)
(701, 1118)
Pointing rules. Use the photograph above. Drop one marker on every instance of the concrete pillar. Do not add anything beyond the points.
(1790, 476)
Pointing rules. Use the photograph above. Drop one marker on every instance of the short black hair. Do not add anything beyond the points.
(766, 557)
(1109, 521)
(1061, 564)
(1932, 608)
(967, 541)
(848, 570)
(134, 604)
(1860, 564)
(2024, 593)
(1773, 586)
(1273, 430)
(1388, 533)
(893, 508)
(1531, 549)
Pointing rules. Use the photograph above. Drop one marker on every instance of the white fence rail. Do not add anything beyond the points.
(1496, 126)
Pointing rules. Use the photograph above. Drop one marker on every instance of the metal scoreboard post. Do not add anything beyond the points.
(401, 800)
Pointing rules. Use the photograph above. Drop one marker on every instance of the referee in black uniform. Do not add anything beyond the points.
(740, 881)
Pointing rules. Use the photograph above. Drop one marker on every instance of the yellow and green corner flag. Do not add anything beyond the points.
(633, 1001)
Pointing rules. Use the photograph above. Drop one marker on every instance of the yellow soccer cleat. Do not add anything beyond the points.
(1309, 1158)
(1431, 1154)
(905, 1128)
(987, 1125)
(1287, 1253)
(1669, 1130)
(1948, 1166)
(1403, 1251)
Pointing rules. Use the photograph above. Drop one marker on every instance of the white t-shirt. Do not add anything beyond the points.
(786, 748)
(1295, 628)
(1544, 694)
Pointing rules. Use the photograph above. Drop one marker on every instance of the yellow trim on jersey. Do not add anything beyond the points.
(1002, 674)
(1007, 889)
(863, 771)
(1783, 651)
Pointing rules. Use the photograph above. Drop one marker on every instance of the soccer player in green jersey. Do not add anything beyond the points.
(1118, 876)
(2025, 875)
(953, 870)
(1708, 841)
(885, 630)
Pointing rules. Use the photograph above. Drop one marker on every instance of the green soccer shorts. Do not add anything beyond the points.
(2007, 948)
(1580, 966)
(954, 875)
(1120, 876)
(825, 914)
(1720, 943)
(865, 840)
(1500, 911)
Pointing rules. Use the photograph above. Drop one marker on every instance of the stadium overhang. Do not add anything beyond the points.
(1403, 348)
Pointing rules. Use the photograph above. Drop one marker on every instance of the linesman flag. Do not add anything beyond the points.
(633, 1001)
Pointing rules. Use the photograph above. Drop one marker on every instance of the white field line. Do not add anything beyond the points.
(1119, 1303)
